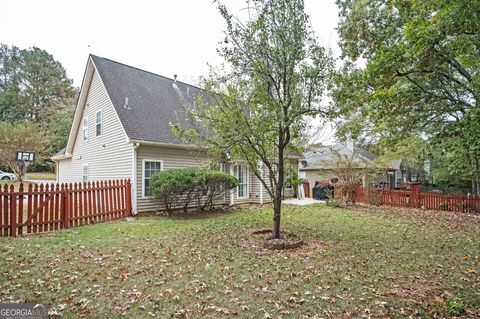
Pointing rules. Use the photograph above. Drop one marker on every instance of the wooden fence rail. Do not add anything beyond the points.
(415, 198)
(50, 207)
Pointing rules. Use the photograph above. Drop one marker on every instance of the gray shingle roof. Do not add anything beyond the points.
(322, 156)
(154, 100)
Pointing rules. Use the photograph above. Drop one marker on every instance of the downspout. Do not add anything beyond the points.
(57, 171)
(134, 178)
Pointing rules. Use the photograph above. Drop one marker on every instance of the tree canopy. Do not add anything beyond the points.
(421, 76)
(34, 87)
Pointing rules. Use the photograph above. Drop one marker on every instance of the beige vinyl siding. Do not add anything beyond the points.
(64, 168)
(172, 158)
(181, 158)
(108, 156)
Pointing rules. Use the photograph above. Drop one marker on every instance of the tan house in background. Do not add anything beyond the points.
(313, 167)
(121, 130)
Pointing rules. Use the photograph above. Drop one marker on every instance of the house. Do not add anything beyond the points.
(121, 130)
(315, 166)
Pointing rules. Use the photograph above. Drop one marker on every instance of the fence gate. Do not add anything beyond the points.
(46, 208)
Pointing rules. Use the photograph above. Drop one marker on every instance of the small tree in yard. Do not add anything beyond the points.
(18, 137)
(277, 74)
(349, 171)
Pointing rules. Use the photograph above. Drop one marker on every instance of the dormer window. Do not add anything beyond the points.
(85, 129)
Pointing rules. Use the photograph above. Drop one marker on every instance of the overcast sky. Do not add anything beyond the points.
(164, 37)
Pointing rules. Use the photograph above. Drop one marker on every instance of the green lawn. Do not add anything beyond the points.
(357, 263)
(16, 185)
(42, 176)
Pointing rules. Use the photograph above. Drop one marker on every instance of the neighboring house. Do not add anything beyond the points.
(314, 168)
(121, 130)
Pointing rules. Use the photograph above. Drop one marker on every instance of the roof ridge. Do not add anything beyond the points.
(146, 71)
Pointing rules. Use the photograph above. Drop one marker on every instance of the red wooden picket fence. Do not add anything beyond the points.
(415, 198)
(50, 207)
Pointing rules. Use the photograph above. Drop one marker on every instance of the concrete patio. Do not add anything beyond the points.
(302, 202)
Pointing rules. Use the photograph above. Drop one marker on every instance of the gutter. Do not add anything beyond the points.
(171, 145)
(61, 157)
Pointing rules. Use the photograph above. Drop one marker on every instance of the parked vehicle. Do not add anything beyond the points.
(6, 176)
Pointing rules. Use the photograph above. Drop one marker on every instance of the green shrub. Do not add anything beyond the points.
(455, 306)
(187, 187)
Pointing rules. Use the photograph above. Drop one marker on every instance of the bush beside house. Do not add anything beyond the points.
(190, 187)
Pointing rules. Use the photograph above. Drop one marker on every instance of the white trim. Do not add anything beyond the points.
(171, 145)
(85, 118)
(61, 157)
(101, 122)
(247, 182)
(83, 172)
(86, 82)
(57, 171)
(143, 174)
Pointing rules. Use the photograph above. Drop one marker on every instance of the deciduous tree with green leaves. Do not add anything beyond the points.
(276, 75)
(34, 87)
(19, 137)
(421, 75)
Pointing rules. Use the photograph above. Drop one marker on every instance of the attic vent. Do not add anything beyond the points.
(126, 106)
(175, 86)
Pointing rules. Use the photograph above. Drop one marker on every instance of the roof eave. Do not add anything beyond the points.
(171, 145)
(61, 157)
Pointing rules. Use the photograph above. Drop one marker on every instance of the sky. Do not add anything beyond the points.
(165, 37)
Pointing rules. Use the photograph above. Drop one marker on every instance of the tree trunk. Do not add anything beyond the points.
(277, 213)
(277, 201)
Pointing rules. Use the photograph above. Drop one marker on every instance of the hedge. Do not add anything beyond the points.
(188, 187)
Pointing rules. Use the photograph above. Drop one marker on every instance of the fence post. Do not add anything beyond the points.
(13, 212)
(65, 206)
(415, 194)
(128, 198)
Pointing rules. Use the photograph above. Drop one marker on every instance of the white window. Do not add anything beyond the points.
(85, 172)
(242, 176)
(98, 123)
(85, 129)
(150, 167)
